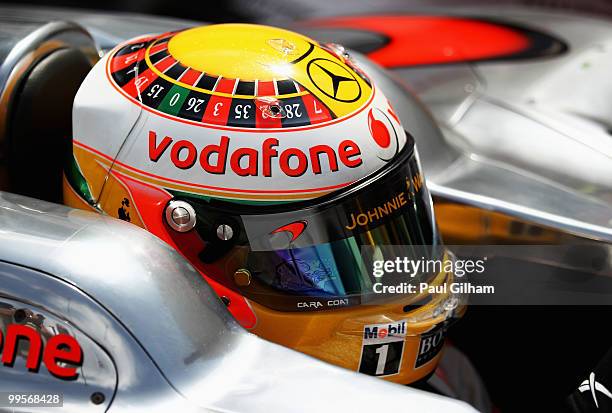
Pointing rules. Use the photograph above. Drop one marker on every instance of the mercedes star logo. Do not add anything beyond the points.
(334, 80)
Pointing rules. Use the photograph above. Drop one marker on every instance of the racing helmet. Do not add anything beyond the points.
(282, 173)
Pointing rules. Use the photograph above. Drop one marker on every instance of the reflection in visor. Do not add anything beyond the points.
(307, 271)
(315, 271)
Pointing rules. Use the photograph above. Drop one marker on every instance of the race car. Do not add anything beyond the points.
(22, 120)
(64, 49)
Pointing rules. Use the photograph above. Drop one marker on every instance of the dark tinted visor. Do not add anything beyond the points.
(309, 255)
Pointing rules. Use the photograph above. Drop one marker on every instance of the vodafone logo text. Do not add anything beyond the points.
(60, 353)
(263, 161)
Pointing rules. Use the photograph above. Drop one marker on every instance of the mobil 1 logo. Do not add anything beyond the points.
(382, 348)
(430, 345)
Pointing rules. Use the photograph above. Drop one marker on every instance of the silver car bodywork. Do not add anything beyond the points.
(529, 138)
(534, 136)
(155, 337)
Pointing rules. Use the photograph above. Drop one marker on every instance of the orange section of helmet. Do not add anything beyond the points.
(336, 336)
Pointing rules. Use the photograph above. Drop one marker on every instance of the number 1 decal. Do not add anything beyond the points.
(382, 359)
(382, 348)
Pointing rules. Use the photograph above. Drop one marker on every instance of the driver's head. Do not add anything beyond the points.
(274, 165)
